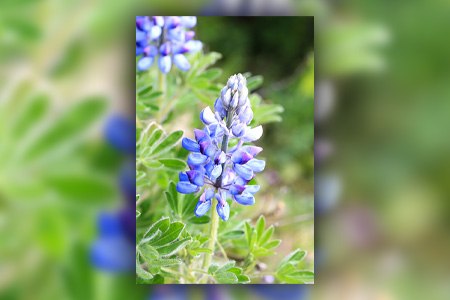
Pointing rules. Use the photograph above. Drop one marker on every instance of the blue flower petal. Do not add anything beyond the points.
(208, 149)
(144, 63)
(200, 135)
(253, 134)
(252, 150)
(183, 176)
(202, 208)
(190, 145)
(165, 63)
(252, 188)
(140, 35)
(196, 159)
(236, 189)
(216, 171)
(181, 62)
(196, 177)
(218, 106)
(240, 157)
(207, 116)
(243, 171)
(193, 46)
(245, 199)
(185, 187)
(223, 210)
(155, 32)
(188, 22)
(257, 165)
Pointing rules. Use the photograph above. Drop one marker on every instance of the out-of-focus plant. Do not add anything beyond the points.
(174, 241)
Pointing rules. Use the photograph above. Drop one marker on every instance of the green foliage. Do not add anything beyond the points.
(172, 243)
(155, 251)
(288, 269)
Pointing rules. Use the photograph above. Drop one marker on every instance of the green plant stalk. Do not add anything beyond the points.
(212, 236)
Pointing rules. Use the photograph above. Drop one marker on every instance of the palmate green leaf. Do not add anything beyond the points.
(168, 236)
(267, 113)
(297, 277)
(167, 143)
(288, 270)
(152, 163)
(295, 257)
(231, 235)
(173, 163)
(32, 113)
(162, 225)
(260, 225)
(80, 187)
(225, 278)
(166, 262)
(140, 272)
(144, 90)
(211, 74)
(254, 82)
(173, 248)
(199, 220)
(68, 126)
(272, 244)
(266, 235)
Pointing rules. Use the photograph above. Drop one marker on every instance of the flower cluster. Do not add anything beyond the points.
(225, 172)
(166, 37)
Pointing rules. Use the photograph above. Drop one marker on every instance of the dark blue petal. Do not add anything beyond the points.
(256, 165)
(240, 157)
(202, 208)
(185, 187)
(207, 148)
(196, 177)
(200, 135)
(190, 145)
(236, 189)
(243, 171)
(183, 176)
(196, 159)
(223, 210)
(208, 168)
(245, 199)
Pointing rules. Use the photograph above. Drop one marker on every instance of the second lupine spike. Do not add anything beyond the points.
(225, 172)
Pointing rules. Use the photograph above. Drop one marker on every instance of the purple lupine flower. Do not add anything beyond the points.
(223, 172)
(165, 39)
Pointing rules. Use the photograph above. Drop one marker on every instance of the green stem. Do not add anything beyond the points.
(212, 236)
(214, 215)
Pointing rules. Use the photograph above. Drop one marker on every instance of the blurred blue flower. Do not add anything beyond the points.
(113, 251)
(226, 172)
(165, 39)
(120, 132)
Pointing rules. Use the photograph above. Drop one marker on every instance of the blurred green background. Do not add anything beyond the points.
(385, 66)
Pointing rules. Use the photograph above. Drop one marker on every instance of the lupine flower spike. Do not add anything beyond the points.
(222, 172)
(165, 38)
